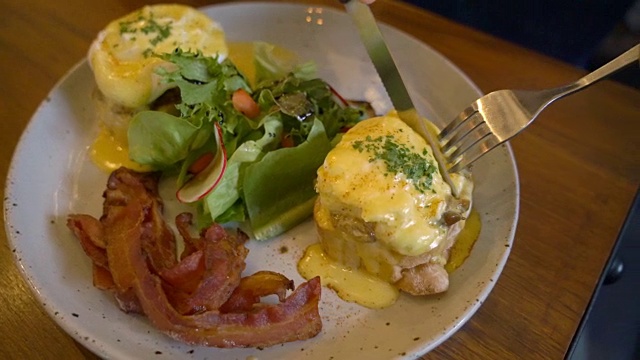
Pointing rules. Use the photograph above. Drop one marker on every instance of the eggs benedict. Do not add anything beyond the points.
(384, 208)
(126, 70)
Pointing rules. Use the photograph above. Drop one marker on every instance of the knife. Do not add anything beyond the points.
(392, 81)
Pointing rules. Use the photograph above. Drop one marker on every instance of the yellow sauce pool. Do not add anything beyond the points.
(461, 250)
(108, 154)
(350, 284)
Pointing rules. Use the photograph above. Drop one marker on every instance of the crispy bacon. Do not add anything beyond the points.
(102, 278)
(88, 230)
(201, 298)
(294, 319)
(210, 268)
(254, 287)
(185, 276)
(158, 240)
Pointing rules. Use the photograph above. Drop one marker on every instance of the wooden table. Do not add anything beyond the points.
(579, 168)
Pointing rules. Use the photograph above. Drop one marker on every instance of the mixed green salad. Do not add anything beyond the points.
(272, 151)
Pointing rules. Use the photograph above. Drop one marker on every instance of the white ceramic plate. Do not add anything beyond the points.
(51, 177)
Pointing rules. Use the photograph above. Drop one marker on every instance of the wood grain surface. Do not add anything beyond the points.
(579, 167)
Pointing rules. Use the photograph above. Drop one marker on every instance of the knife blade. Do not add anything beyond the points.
(386, 67)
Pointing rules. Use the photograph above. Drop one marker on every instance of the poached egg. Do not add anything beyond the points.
(121, 56)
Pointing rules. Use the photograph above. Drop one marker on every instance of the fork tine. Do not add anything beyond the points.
(462, 117)
(469, 127)
(474, 153)
(467, 141)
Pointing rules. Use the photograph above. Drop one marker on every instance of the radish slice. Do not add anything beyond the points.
(338, 98)
(203, 182)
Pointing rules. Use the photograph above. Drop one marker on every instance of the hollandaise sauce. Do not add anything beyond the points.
(109, 154)
(243, 56)
(464, 243)
(351, 285)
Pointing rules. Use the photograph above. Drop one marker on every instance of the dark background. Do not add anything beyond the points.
(585, 33)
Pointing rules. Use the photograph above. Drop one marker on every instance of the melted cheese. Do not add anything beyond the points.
(121, 55)
(405, 218)
(353, 285)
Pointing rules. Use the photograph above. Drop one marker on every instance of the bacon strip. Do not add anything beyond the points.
(185, 276)
(102, 278)
(200, 299)
(294, 319)
(125, 186)
(221, 262)
(253, 287)
(89, 231)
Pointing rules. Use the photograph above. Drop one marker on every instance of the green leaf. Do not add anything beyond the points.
(235, 213)
(159, 139)
(228, 190)
(197, 93)
(270, 68)
(192, 66)
(226, 193)
(285, 220)
(279, 189)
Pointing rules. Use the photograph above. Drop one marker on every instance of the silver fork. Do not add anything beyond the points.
(501, 115)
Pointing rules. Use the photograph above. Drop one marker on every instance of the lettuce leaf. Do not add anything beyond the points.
(159, 139)
(279, 189)
(228, 191)
(270, 68)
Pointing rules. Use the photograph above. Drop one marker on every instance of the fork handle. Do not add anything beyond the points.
(628, 57)
(612, 66)
(546, 97)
